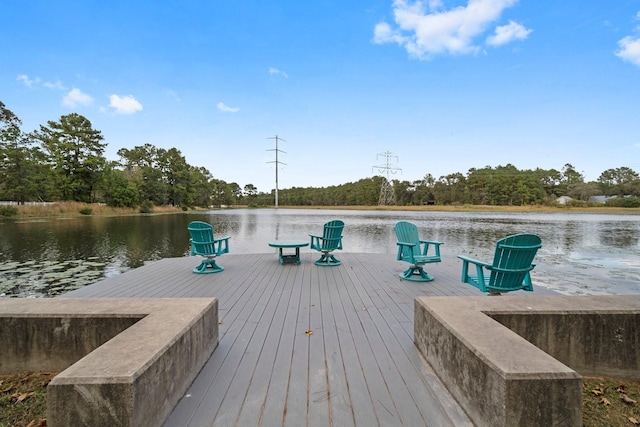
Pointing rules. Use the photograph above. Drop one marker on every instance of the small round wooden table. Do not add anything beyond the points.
(294, 244)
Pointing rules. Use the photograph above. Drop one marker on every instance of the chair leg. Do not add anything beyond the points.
(208, 266)
(416, 274)
(328, 260)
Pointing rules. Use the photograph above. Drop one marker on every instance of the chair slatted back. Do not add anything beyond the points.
(202, 240)
(332, 235)
(513, 259)
(407, 232)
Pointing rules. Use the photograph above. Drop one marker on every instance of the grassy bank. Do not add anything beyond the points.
(74, 209)
(481, 208)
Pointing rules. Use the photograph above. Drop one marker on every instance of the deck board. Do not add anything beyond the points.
(358, 367)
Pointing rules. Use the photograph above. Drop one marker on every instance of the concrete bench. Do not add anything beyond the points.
(125, 362)
(512, 360)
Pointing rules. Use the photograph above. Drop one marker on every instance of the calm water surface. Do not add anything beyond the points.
(581, 253)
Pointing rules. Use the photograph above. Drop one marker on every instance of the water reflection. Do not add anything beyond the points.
(600, 250)
(616, 235)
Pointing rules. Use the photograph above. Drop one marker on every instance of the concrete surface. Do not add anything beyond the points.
(140, 355)
(505, 358)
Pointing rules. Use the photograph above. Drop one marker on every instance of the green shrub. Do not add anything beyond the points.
(6, 210)
(624, 202)
(146, 206)
(86, 211)
(575, 203)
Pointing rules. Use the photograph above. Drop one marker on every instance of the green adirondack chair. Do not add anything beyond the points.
(510, 270)
(204, 245)
(415, 251)
(330, 240)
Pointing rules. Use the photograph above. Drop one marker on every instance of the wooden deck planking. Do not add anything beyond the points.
(276, 397)
(346, 321)
(396, 339)
(247, 320)
(379, 334)
(255, 360)
(257, 390)
(358, 367)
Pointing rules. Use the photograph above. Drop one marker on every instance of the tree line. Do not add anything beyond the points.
(64, 161)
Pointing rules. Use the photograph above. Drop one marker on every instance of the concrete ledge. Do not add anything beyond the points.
(141, 354)
(502, 378)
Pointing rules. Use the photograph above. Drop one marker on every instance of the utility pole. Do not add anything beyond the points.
(277, 138)
(387, 195)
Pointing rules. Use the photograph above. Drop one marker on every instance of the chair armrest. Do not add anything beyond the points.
(427, 243)
(405, 244)
(223, 245)
(479, 280)
(431, 242)
(474, 261)
(402, 246)
(315, 242)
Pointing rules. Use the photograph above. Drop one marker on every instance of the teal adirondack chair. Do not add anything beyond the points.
(204, 245)
(330, 240)
(510, 270)
(415, 251)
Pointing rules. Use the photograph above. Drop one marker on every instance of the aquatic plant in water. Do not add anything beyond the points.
(32, 279)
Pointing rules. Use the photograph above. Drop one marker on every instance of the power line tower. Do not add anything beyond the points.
(387, 195)
(277, 138)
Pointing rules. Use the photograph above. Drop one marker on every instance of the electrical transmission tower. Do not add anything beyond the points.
(387, 195)
(277, 138)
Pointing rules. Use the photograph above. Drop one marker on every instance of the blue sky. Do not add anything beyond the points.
(444, 86)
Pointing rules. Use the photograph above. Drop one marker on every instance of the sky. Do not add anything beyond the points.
(352, 88)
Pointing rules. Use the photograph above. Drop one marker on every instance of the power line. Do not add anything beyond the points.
(387, 195)
(277, 138)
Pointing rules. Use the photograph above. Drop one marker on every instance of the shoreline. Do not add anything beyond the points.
(74, 209)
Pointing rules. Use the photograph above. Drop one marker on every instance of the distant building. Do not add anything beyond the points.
(563, 200)
(601, 199)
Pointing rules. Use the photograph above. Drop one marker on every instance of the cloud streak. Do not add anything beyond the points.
(29, 82)
(26, 80)
(226, 109)
(276, 72)
(427, 31)
(54, 85)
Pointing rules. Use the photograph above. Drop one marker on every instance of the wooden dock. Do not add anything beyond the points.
(302, 345)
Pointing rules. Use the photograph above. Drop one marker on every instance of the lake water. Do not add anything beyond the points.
(581, 253)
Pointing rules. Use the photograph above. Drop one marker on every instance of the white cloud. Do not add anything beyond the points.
(435, 5)
(275, 71)
(226, 109)
(425, 34)
(56, 85)
(49, 85)
(26, 80)
(630, 48)
(383, 33)
(124, 104)
(75, 98)
(507, 33)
